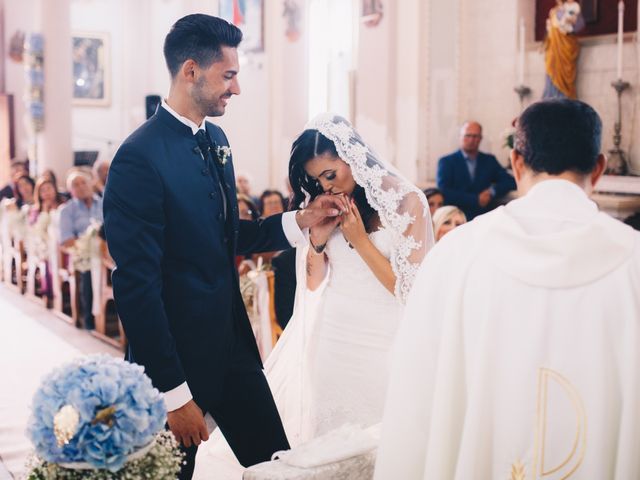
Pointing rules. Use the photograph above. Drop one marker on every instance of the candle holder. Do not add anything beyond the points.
(618, 164)
(523, 92)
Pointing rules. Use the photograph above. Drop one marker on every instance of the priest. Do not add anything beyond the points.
(519, 353)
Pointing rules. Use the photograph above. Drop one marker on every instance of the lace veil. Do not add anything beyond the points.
(402, 207)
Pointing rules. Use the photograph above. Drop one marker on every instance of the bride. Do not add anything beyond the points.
(329, 368)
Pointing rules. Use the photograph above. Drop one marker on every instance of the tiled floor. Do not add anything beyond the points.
(32, 341)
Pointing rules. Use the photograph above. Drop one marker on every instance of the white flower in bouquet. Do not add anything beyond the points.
(223, 153)
(38, 236)
(86, 247)
(16, 220)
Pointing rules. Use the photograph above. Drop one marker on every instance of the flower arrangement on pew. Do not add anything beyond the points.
(15, 218)
(38, 237)
(100, 418)
(86, 247)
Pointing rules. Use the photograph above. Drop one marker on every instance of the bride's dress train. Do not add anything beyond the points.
(330, 368)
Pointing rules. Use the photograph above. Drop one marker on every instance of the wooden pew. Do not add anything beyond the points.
(15, 265)
(108, 325)
(276, 329)
(37, 246)
(66, 303)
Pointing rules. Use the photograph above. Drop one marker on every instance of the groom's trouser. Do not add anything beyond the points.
(246, 414)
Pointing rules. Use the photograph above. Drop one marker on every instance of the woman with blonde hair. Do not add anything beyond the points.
(446, 219)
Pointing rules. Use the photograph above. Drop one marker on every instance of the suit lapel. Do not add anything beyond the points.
(227, 179)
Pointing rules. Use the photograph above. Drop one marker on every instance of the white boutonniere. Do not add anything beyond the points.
(223, 153)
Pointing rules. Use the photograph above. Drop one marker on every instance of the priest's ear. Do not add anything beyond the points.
(517, 165)
(598, 171)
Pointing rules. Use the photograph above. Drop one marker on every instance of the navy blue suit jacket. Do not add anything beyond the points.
(175, 283)
(459, 189)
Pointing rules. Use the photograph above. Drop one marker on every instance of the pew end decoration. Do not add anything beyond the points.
(99, 417)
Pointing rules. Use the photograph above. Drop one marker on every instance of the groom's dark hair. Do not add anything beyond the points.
(555, 136)
(198, 37)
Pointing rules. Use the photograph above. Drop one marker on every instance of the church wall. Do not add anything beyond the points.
(419, 74)
(489, 74)
(18, 16)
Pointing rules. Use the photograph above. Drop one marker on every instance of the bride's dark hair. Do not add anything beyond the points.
(310, 144)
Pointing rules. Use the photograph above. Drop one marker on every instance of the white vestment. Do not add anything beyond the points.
(519, 353)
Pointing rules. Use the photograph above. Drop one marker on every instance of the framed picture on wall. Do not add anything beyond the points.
(372, 11)
(91, 69)
(248, 16)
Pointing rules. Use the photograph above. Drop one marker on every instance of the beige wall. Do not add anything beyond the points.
(428, 66)
(489, 42)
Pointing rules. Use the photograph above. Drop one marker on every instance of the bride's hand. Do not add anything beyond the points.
(353, 227)
(321, 231)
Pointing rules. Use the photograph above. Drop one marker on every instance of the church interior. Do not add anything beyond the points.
(416, 78)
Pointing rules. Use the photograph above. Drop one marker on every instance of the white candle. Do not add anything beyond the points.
(620, 36)
(521, 53)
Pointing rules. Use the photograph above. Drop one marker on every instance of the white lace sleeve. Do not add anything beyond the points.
(411, 246)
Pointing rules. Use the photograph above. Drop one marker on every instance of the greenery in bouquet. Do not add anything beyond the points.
(162, 462)
(100, 418)
(15, 218)
(509, 135)
(508, 138)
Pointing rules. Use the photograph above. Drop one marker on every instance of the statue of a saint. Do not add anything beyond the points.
(561, 49)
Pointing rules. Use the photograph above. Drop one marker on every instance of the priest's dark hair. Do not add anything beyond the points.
(310, 144)
(198, 37)
(559, 135)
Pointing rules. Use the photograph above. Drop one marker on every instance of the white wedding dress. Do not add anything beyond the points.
(330, 367)
(348, 337)
(357, 322)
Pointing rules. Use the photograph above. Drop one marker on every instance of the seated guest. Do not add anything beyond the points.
(284, 270)
(247, 209)
(521, 361)
(50, 175)
(25, 186)
(46, 198)
(472, 180)
(283, 263)
(271, 203)
(446, 219)
(75, 216)
(18, 169)
(435, 199)
(100, 174)
(243, 186)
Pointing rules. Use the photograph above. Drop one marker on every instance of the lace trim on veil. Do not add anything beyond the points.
(402, 207)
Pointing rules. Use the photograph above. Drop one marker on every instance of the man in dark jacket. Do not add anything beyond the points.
(171, 221)
(472, 180)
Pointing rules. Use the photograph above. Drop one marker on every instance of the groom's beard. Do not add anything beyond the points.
(209, 107)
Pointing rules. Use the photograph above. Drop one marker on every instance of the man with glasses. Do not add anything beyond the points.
(470, 179)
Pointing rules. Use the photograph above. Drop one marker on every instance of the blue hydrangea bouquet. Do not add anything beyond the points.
(100, 417)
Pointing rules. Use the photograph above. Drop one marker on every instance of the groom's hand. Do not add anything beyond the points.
(187, 424)
(322, 207)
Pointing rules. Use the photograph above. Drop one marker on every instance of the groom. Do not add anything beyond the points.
(171, 220)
